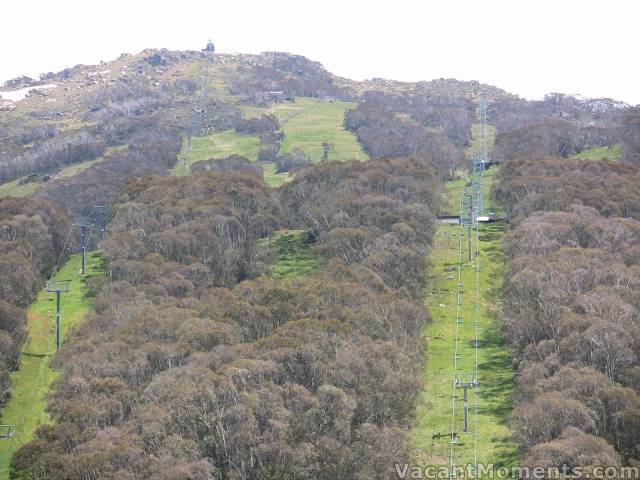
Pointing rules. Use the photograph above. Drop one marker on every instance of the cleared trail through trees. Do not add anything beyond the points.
(457, 286)
(31, 382)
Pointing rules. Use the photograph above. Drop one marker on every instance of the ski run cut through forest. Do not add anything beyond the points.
(225, 267)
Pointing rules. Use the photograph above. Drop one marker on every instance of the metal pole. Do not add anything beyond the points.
(57, 320)
(466, 410)
(99, 217)
(471, 221)
(84, 232)
(84, 248)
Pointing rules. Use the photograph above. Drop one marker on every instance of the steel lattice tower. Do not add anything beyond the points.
(480, 160)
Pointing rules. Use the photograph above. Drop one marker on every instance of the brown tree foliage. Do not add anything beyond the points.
(429, 130)
(552, 137)
(573, 308)
(629, 135)
(195, 363)
(32, 238)
(508, 113)
(51, 154)
(554, 183)
(149, 152)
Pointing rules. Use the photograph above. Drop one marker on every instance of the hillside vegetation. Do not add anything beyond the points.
(315, 368)
(30, 384)
(219, 145)
(610, 152)
(304, 125)
(571, 306)
(489, 439)
(258, 333)
(291, 253)
(308, 123)
(20, 187)
(32, 242)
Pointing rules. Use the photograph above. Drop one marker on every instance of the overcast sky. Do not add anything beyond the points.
(528, 47)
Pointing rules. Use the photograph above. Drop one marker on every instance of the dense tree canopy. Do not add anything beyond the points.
(32, 239)
(555, 183)
(553, 137)
(508, 112)
(391, 126)
(573, 309)
(195, 363)
(629, 134)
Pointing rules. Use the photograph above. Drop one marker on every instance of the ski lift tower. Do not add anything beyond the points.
(85, 231)
(480, 160)
(465, 386)
(58, 287)
(98, 217)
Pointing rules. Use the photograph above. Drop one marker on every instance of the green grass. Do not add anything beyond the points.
(73, 170)
(17, 189)
(309, 122)
(476, 139)
(30, 384)
(77, 168)
(218, 145)
(431, 434)
(291, 254)
(252, 111)
(612, 152)
(272, 178)
(454, 189)
(317, 122)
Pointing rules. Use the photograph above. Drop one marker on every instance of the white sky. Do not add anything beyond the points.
(527, 47)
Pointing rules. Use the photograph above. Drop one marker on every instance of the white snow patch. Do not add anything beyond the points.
(17, 95)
